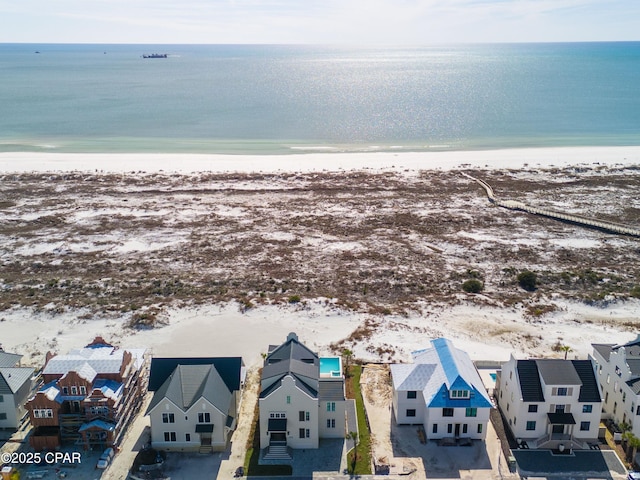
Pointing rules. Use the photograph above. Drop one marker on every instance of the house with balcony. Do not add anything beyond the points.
(16, 384)
(89, 396)
(302, 399)
(443, 391)
(195, 403)
(618, 374)
(550, 403)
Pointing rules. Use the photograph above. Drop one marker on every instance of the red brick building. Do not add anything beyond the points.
(89, 396)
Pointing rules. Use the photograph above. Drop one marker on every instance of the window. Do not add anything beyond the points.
(168, 418)
(447, 412)
(618, 371)
(559, 408)
(450, 428)
(331, 423)
(638, 410)
(585, 426)
(301, 432)
(74, 390)
(479, 428)
(288, 398)
(187, 437)
(3, 416)
(606, 397)
(43, 413)
(624, 397)
(411, 412)
(471, 412)
(331, 406)
(587, 408)
(435, 428)
(83, 390)
(464, 428)
(203, 417)
(562, 391)
(65, 390)
(412, 394)
(615, 407)
(1, 398)
(307, 432)
(533, 408)
(278, 415)
(170, 437)
(459, 394)
(514, 421)
(301, 416)
(608, 378)
(531, 425)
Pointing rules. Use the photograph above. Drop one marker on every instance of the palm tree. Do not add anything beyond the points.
(566, 349)
(354, 436)
(347, 354)
(634, 443)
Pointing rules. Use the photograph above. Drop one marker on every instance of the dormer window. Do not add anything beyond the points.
(459, 394)
(618, 371)
(74, 390)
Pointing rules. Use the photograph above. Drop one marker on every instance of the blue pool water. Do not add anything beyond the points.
(330, 366)
(493, 376)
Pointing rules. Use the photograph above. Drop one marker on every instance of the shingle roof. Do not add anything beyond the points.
(440, 369)
(12, 378)
(634, 385)
(9, 359)
(634, 365)
(529, 381)
(229, 368)
(558, 372)
(189, 383)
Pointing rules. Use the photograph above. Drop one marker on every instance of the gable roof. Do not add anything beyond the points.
(189, 383)
(92, 360)
(438, 370)
(11, 379)
(580, 373)
(229, 369)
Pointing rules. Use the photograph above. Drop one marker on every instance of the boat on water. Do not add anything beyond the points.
(154, 55)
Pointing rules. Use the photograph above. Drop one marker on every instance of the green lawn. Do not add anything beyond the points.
(363, 461)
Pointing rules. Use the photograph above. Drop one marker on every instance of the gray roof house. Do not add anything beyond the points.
(16, 384)
(196, 402)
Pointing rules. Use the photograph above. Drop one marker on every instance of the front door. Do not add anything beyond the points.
(278, 438)
(557, 429)
(205, 439)
(457, 430)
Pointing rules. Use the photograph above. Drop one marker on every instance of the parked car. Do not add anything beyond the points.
(634, 476)
(105, 458)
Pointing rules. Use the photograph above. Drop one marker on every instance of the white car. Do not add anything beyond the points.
(105, 458)
(634, 476)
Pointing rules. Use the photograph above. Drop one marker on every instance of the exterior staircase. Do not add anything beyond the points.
(277, 452)
(205, 449)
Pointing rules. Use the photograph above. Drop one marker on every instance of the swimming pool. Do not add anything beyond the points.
(493, 376)
(330, 367)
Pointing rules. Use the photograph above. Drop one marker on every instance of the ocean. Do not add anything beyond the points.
(267, 99)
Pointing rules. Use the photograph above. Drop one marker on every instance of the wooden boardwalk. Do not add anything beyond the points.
(602, 225)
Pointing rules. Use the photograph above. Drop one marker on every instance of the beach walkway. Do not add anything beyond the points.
(605, 226)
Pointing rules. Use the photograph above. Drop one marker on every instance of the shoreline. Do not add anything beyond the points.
(189, 163)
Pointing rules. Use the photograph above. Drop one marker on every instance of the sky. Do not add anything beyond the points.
(397, 22)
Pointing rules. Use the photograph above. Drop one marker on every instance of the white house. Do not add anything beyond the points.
(618, 373)
(195, 406)
(550, 403)
(301, 399)
(442, 391)
(15, 387)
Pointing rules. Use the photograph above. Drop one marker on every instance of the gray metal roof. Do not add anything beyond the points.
(529, 380)
(9, 359)
(331, 390)
(11, 379)
(589, 391)
(189, 383)
(604, 349)
(101, 360)
(558, 372)
(229, 368)
(634, 365)
(634, 385)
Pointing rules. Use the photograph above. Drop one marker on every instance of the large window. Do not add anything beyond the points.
(471, 412)
(204, 417)
(562, 391)
(450, 428)
(533, 408)
(170, 437)
(587, 408)
(43, 413)
(435, 428)
(331, 406)
(585, 426)
(301, 432)
(3, 416)
(447, 412)
(531, 425)
(168, 418)
(331, 423)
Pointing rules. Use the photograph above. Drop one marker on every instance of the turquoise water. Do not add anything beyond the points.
(493, 376)
(330, 366)
(291, 99)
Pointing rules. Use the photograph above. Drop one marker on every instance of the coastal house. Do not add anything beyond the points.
(618, 374)
(302, 399)
(195, 403)
(89, 396)
(550, 403)
(16, 383)
(443, 391)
